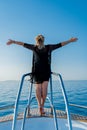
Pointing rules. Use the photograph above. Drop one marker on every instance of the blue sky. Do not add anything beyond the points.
(57, 20)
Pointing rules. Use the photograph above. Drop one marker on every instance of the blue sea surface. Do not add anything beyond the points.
(76, 91)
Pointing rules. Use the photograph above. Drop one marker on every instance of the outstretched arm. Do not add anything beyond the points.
(69, 41)
(55, 46)
(28, 46)
(15, 42)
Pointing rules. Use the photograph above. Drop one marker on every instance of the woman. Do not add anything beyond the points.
(41, 65)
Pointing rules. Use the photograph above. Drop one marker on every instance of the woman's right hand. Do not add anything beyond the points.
(10, 42)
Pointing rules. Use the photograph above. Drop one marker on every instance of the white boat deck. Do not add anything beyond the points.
(44, 123)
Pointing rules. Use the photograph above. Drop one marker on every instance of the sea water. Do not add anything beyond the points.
(76, 91)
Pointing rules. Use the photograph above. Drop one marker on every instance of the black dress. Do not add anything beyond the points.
(41, 61)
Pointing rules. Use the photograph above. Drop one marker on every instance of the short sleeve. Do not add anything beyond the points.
(55, 46)
(29, 46)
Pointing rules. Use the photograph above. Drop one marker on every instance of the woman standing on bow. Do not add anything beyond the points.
(41, 66)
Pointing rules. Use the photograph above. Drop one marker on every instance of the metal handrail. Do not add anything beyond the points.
(65, 99)
(54, 114)
(51, 102)
(27, 109)
(17, 100)
(51, 94)
(80, 106)
(28, 105)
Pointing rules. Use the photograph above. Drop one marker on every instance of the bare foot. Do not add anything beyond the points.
(41, 110)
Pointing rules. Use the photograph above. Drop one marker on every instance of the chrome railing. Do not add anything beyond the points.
(28, 108)
(51, 103)
(17, 101)
(65, 99)
(54, 113)
(79, 106)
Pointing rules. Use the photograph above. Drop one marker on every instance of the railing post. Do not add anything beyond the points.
(54, 114)
(51, 92)
(27, 109)
(65, 99)
(66, 102)
(17, 101)
(29, 99)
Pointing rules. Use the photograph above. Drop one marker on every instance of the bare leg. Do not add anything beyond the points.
(38, 94)
(41, 93)
(44, 92)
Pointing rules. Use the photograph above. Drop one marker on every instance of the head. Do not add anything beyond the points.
(40, 40)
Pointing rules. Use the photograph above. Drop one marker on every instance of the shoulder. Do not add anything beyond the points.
(47, 46)
(54, 46)
(29, 46)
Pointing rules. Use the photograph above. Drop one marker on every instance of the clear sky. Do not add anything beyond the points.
(57, 20)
